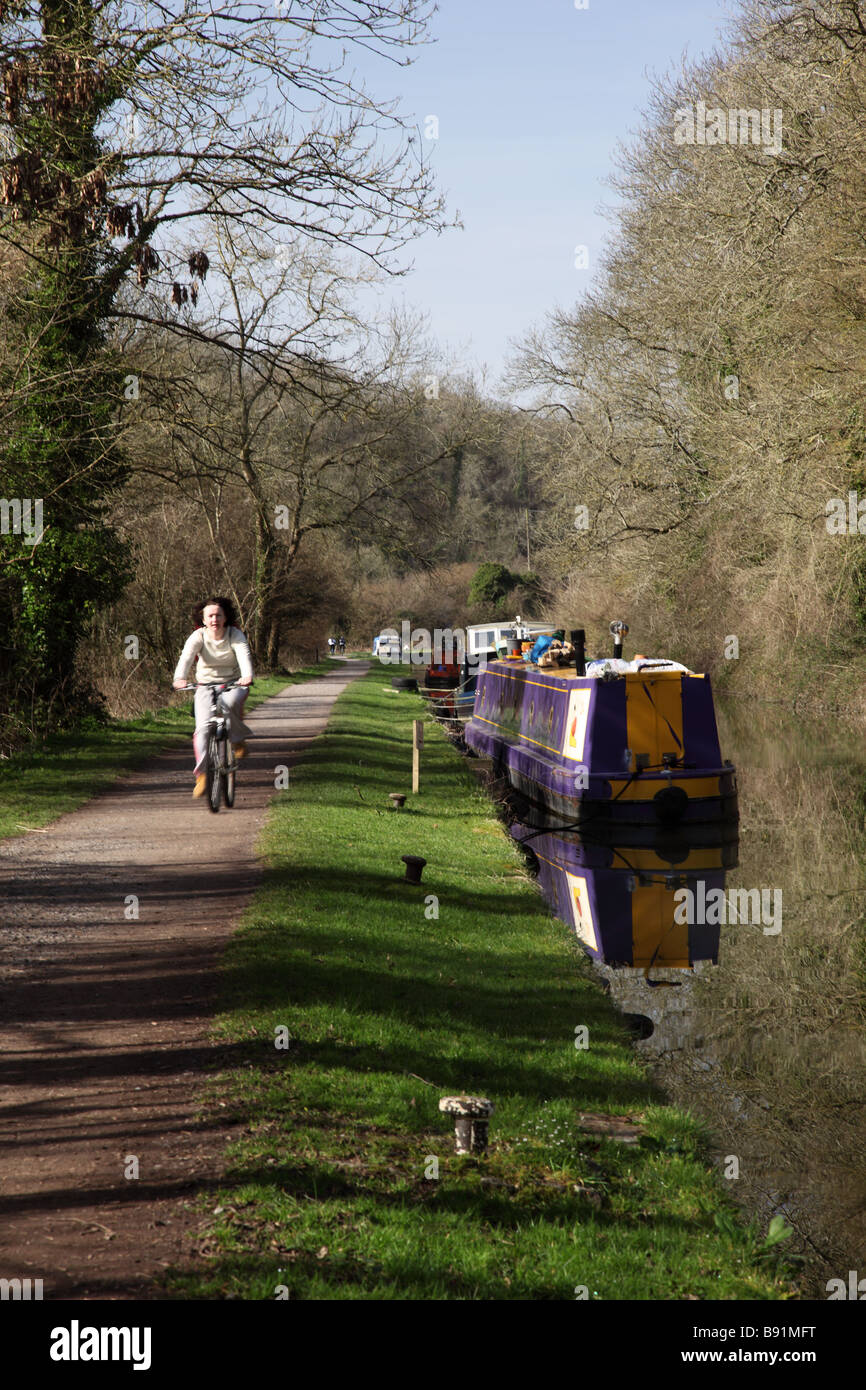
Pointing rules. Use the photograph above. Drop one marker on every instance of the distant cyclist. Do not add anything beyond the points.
(223, 655)
(332, 645)
(341, 643)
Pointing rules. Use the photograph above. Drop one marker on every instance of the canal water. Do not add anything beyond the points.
(767, 1045)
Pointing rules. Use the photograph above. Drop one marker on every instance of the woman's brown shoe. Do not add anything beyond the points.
(200, 785)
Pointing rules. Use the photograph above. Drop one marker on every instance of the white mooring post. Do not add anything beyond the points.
(417, 745)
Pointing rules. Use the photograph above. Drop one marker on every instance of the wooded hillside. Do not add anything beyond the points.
(189, 383)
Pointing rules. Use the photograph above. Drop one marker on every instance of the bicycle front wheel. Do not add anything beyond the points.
(229, 775)
(214, 772)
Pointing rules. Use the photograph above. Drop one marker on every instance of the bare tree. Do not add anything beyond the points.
(125, 129)
(708, 386)
(316, 418)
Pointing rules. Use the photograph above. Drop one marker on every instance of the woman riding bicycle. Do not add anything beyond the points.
(223, 655)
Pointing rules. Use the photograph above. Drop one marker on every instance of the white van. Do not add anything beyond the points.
(387, 646)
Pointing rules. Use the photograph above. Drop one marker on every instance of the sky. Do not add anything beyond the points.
(531, 98)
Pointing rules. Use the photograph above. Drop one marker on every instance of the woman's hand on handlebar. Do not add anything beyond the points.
(244, 680)
(180, 685)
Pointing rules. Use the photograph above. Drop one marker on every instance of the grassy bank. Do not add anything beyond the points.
(47, 779)
(387, 997)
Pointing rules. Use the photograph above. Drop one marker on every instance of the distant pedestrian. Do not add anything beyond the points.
(331, 646)
(341, 644)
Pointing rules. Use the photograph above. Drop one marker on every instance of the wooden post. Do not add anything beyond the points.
(417, 745)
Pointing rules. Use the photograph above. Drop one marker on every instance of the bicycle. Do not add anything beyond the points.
(220, 763)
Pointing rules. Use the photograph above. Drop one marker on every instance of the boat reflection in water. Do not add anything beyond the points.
(627, 908)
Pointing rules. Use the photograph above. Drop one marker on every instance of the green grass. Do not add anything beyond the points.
(47, 779)
(388, 1007)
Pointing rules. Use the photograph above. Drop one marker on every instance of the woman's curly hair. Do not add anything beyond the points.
(225, 604)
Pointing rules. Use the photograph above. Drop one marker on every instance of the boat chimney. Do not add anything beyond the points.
(618, 631)
(578, 641)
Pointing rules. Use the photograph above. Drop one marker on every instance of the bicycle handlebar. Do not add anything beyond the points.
(213, 685)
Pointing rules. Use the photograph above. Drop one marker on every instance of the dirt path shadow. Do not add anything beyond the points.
(104, 1017)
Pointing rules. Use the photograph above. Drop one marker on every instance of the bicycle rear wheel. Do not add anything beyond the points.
(229, 775)
(214, 771)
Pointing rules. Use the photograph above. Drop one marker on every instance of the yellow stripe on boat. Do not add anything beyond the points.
(640, 857)
(657, 938)
(646, 784)
(523, 738)
(654, 715)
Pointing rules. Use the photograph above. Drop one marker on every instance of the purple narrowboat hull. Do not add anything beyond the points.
(640, 750)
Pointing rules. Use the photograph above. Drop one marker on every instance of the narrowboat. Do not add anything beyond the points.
(462, 653)
(624, 903)
(456, 705)
(456, 670)
(441, 675)
(485, 640)
(607, 745)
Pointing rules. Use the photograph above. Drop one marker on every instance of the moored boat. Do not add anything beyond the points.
(456, 705)
(461, 654)
(627, 744)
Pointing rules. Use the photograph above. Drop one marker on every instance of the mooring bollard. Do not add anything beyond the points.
(414, 864)
(471, 1121)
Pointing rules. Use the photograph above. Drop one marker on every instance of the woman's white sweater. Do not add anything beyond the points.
(226, 660)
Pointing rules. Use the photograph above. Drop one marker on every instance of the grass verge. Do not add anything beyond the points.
(354, 1001)
(49, 778)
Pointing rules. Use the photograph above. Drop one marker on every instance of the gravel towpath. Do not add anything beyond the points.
(105, 1019)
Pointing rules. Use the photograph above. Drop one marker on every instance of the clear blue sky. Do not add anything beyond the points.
(532, 97)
